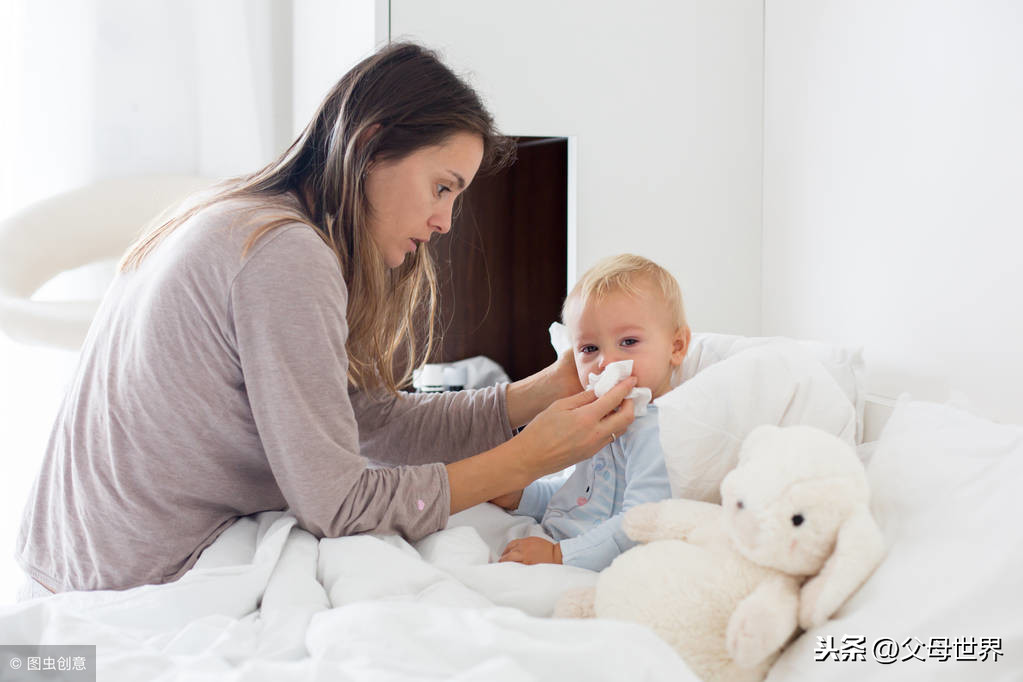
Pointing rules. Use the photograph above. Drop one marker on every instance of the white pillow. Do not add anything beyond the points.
(945, 490)
(844, 363)
(705, 419)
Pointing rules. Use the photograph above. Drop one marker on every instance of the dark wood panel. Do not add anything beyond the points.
(502, 268)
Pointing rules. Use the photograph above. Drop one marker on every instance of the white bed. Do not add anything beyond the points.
(268, 601)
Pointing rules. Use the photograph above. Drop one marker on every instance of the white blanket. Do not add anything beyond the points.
(267, 601)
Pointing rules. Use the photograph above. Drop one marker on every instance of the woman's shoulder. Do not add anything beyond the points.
(282, 252)
(287, 239)
(249, 214)
(237, 242)
(260, 227)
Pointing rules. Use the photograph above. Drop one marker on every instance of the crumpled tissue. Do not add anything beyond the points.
(609, 378)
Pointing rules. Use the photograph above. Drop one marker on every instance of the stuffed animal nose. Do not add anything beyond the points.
(746, 528)
(797, 520)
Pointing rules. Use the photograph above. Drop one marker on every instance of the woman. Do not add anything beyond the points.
(247, 356)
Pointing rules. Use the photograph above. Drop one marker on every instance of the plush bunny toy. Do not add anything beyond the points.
(729, 585)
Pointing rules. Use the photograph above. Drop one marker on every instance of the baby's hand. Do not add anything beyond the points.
(532, 551)
(509, 501)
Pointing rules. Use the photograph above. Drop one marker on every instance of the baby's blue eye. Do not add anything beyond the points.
(630, 342)
(588, 349)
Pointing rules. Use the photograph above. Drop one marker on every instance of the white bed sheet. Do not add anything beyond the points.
(267, 601)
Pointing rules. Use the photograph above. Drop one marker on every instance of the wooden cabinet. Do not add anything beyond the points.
(502, 268)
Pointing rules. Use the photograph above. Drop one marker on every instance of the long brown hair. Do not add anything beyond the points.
(398, 100)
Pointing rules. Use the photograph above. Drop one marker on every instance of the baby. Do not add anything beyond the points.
(624, 308)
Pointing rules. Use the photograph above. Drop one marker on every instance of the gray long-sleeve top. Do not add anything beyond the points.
(213, 386)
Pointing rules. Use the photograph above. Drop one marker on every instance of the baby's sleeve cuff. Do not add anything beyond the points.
(579, 552)
(533, 502)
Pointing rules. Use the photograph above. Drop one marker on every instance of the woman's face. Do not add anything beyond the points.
(412, 197)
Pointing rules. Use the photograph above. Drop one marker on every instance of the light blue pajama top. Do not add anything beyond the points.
(585, 513)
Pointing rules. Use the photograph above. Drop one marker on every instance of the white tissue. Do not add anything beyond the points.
(560, 338)
(609, 378)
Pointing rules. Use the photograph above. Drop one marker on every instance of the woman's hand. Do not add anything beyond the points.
(532, 551)
(526, 398)
(574, 428)
(564, 375)
(568, 431)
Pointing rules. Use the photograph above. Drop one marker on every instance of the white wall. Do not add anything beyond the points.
(663, 103)
(893, 169)
(330, 37)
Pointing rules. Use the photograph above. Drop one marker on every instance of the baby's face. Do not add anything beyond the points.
(626, 327)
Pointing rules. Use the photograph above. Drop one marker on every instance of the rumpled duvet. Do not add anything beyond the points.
(269, 601)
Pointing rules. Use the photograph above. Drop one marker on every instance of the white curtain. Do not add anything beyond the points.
(102, 88)
(93, 89)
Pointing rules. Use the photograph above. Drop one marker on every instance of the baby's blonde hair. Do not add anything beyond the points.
(627, 273)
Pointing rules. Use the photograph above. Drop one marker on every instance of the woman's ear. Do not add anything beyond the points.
(368, 132)
(680, 344)
(363, 140)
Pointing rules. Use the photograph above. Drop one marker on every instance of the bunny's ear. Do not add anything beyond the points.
(859, 548)
(755, 438)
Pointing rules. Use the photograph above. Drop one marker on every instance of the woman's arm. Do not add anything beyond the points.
(411, 429)
(421, 428)
(290, 333)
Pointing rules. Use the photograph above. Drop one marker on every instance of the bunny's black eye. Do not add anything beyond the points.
(739, 504)
(797, 520)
